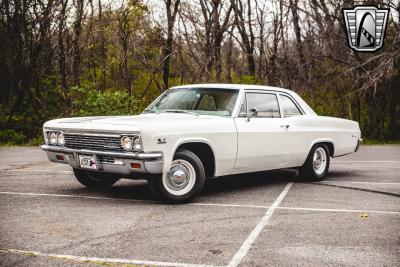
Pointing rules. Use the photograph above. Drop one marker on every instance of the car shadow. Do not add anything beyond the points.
(248, 181)
(358, 189)
(138, 189)
(123, 189)
(337, 175)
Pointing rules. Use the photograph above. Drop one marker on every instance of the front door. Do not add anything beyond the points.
(262, 139)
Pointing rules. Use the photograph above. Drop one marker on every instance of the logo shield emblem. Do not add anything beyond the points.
(365, 27)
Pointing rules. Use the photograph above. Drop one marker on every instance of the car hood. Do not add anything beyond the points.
(125, 123)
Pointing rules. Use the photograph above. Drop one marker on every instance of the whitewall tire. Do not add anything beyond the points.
(184, 180)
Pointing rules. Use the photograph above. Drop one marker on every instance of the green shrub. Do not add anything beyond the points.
(11, 137)
(90, 102)
(36, 141)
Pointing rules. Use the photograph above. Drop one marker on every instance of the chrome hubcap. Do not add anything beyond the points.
(319, 160)
(178, 177)
(181, 177)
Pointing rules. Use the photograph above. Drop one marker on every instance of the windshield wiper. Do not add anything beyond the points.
(181, 111)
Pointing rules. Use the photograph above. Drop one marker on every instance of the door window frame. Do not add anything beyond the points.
(244, 102)
(294, 102)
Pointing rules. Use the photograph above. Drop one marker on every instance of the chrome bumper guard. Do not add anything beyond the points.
(359, 141)
(121, 164)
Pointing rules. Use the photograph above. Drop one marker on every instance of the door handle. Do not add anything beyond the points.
(285, 126)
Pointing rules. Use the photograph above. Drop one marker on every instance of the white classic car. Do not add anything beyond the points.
(193, 132)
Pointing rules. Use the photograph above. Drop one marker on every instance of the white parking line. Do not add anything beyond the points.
(365, 161)
(199, 204)
(356, 182)
(340, 210)
(364, 166)
(38, 171)
(295, 208)
(229, 205)
(74, 196)
(243, 250)
(102, 260)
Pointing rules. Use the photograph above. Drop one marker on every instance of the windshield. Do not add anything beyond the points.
(206, 101)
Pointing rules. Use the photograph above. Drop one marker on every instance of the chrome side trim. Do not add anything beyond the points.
(135, 155)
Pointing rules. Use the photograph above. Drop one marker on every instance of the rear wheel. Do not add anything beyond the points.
(184, 180)
(95, 180)
(317, 164)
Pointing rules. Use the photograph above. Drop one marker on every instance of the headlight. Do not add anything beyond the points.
(53, 138)
(61, 139)
(126, 143)
(137, 144)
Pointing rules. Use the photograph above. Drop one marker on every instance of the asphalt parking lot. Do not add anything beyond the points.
(351, 218)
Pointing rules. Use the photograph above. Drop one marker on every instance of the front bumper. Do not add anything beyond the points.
(109, 162)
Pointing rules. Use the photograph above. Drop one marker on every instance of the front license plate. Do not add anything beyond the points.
(87, 162)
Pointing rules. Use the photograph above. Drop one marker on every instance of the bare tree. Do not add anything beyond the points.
(245, 28)
(216, 22)
(102, 48)
(77, 30)
(62, 18)
(171, 10)
(124, 34)
(293, 4)
(50, 47)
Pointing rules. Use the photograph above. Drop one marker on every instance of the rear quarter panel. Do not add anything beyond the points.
(306, 130)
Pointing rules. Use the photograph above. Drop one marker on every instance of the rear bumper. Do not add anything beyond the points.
(109, 162)
(359, 141)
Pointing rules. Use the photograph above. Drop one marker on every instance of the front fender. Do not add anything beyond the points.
(185, 140)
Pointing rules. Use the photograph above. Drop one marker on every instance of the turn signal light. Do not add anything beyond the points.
(59, 157)
(136, 165)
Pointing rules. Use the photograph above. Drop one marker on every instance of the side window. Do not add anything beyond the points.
(266, 104)
(289, 108)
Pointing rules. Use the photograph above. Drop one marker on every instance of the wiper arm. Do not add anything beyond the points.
(181, 111)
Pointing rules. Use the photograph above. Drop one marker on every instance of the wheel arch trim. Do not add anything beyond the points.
(185, 141)
(319, 141)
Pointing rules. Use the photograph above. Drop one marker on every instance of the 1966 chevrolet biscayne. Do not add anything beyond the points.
(193, 132)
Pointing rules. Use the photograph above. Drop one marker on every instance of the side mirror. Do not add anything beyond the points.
(253, 112)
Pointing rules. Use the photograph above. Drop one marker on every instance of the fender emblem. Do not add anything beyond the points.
(161, 141)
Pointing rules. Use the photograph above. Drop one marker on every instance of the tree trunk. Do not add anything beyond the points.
(61, 53)
(103, 52)
(167, 50)
(297, 32)
(247, 38)
(77, 54)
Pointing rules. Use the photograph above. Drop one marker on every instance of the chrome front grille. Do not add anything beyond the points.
(93, 142)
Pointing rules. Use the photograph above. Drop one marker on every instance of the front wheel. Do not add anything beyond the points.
(184, 180)
(95, 180)
(317, 164)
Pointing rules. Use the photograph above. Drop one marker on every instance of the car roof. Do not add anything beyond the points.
(232, 86)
